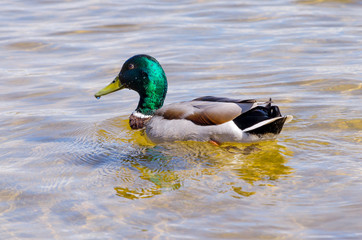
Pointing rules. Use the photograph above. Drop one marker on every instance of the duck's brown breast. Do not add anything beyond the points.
(137, 122)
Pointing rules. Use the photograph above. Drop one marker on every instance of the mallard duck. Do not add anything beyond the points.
(208, 118)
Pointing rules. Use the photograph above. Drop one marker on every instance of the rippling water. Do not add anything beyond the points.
(71, 167)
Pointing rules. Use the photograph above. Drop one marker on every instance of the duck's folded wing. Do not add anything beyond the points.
(204, 112)
(223, 99)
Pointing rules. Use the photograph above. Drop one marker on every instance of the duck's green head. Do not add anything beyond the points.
(145, 75)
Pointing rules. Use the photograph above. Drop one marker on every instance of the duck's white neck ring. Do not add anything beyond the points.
(140, 115)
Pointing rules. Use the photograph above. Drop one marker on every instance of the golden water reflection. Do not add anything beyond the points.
(151, 170)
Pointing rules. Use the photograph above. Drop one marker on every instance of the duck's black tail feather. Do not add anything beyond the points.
(261, 120)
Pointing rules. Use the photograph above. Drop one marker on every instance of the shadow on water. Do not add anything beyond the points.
(144, 170)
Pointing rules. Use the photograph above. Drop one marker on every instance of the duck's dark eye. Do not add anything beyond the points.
(130, 66)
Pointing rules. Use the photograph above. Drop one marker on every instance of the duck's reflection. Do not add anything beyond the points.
(165, 168)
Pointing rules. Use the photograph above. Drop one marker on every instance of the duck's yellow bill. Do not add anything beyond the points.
(115, 85)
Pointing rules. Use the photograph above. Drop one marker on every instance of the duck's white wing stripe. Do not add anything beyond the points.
(258, 125)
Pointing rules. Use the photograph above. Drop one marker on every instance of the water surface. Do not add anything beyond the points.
(71, 167)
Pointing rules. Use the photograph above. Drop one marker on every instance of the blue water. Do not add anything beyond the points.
(71, 167)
